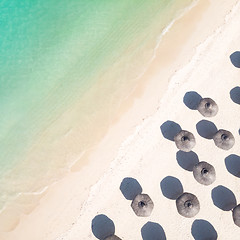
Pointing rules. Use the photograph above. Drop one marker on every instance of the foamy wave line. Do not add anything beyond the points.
(158, 42)
(43, 189)
(39, 192)
(76, 160)
(164, 32)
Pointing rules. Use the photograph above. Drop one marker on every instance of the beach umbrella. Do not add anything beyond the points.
(113, 237)
(207, 107)
(142, 205)
(224, 139)
(236, 215)
(185, 141)
(187, 205)
(204, 173)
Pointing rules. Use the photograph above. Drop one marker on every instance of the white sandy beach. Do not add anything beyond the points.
(193, 56)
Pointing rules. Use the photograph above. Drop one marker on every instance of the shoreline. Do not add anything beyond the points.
(48, 201)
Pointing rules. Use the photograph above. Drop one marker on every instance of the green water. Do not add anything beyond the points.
(50, 55)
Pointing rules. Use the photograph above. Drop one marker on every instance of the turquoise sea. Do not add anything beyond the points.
(51, 54)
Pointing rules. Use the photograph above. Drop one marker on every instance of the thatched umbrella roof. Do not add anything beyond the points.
(224, 139)
(236, 215)
(185, 141)
(142, 205)
(207, 107)
(187, 205)
(204, 173)
(113, 237)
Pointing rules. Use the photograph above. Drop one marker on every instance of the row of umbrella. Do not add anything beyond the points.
(223, 139)
(187, 203)
(185, 140)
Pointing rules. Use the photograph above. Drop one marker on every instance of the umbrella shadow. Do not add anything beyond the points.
(235, 59)
(223, 198)
(130, 188)
(232, 163)
(191, 100)
(206, 129)
(170, 129)
(203, 230)
(171, 187)
(235, 95)
(187, 160)
(102, 226)
(153, 231)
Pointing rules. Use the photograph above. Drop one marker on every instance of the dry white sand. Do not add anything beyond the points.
(66, 212)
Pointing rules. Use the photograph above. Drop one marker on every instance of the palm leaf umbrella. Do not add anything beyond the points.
(187, 205)
(204, 173)
(207, 107)
(224, 139)
(185, 141)
(236, 215)
(142, 205)
(112, 237)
